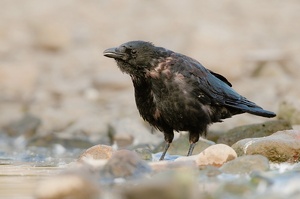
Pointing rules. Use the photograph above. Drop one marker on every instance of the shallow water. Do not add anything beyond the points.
(20, 181)
(22, 168)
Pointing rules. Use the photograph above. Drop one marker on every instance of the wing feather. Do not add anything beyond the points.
(217, 88)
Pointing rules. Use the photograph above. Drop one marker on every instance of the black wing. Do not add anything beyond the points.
(220, 77)
(218, 88)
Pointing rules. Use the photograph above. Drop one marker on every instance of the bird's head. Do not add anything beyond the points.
(134, 57)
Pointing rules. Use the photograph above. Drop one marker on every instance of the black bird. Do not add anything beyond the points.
(176, 92)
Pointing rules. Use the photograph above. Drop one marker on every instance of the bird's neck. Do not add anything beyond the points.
(141, 85)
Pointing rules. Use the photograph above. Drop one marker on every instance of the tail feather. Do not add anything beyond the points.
(260, 112)
(250, 107)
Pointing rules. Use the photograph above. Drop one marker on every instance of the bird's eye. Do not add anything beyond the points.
(122, 49)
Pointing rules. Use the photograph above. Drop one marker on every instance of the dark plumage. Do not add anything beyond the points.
(175, 92)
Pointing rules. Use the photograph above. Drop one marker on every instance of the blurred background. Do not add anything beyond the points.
(56, 85)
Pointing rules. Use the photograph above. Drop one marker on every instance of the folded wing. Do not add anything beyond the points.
(218, 89)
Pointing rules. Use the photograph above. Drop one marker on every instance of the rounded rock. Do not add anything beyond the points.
(216, 155)
(124, 164)
(123, 140)
(74, 186)
(97, 152)
(246, 164)
(253, 131)
(282, 146)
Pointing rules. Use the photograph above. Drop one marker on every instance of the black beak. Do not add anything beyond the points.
(113, 53)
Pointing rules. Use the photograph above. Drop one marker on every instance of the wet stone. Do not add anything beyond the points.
(213, 135)
(215, 155)
(209, 171)
(27, 126)
(76, 186)
(239, 188)
(125, 164)
(123, 140)
(98, 152)
(282, 146)
(176, 184)
(253, 131)
(246, 164)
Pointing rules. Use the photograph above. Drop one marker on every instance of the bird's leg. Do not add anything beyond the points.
(165, 151)
(193, 138)
(169, 135)
(192, 146)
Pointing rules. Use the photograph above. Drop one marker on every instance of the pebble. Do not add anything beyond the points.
(123, 140)
(125, 164)
(175, 184)
(26, 126)
(282, 146)
(215, 155)
(75, 186)
(246, 164)
(253, 131)
(95, 155)
(238, 188)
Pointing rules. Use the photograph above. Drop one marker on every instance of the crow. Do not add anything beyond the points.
(176, 92)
